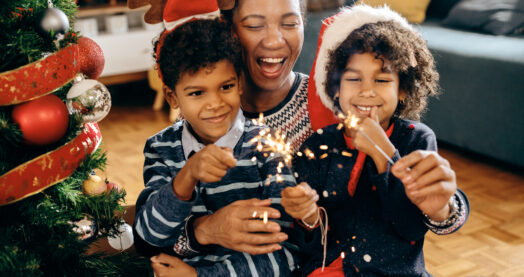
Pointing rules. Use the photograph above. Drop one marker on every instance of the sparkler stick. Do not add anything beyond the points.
(376, 146)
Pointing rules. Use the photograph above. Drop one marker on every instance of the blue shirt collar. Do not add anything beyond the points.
(230, 139)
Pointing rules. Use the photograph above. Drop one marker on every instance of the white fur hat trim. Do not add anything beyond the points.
(345, 22)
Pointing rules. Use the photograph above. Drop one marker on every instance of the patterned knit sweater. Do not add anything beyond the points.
(162, 218)
(291, 116)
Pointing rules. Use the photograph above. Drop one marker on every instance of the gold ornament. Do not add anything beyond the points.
(94, 185)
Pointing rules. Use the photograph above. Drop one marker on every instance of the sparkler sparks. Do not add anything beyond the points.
(275, 143)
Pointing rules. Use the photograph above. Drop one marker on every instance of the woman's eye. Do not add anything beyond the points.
(290, 25)
(382, 81)
(352, 79)
(254, 27)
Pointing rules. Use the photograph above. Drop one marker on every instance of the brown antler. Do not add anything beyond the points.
(154, 14)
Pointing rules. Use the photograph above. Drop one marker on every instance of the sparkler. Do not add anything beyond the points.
(352, 122)
(273, 143)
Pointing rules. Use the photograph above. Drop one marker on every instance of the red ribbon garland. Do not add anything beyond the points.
(49, 169)
(39, 78)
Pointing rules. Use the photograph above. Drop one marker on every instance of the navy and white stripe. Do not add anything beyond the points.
(161, 217)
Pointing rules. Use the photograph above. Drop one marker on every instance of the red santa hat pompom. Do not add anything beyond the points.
(333, 32)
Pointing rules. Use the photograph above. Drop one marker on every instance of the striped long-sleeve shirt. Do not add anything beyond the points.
(161, 217)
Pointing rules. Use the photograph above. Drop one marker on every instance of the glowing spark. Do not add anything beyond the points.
(342, 255)
(323, 156)
(279, 178)
(265, 217)
(299, 154)
(254, 159)
(347, 154)
(273, 143)
(323, 147)
(353, 249)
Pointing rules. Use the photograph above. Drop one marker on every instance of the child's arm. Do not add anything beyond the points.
(167, 201)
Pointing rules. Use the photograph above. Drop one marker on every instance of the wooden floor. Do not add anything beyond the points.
(490, 244)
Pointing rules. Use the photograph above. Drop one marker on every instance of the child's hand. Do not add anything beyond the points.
(300, 202)
(207, 165)
(429, 183)
(371, 126)
(166, 265)
(211, 163)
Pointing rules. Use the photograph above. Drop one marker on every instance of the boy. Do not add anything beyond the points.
(206, 161)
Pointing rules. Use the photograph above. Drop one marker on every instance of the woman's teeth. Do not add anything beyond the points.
(272, 60)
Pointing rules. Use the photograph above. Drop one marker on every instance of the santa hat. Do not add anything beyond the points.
(333, 32)
(178, 12)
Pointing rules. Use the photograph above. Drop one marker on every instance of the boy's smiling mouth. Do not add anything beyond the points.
(216, 119)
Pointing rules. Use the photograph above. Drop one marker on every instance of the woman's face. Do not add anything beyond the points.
(272, 34)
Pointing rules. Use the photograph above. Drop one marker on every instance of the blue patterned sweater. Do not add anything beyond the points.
(162, 218)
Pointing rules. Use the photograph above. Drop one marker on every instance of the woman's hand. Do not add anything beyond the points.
(428, 180)
(300, 202)
(165, 265)
(238, 226)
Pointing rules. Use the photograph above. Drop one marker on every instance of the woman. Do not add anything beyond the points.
(272, 33)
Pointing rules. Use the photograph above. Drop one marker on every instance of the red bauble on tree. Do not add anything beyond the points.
(42, 121)
(91, 58)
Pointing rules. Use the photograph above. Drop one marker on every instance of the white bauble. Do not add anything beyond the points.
(124, 240)
(88, 98)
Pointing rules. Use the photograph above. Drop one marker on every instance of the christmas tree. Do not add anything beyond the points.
(52, 204)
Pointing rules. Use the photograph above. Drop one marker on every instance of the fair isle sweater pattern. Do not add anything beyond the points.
(291, 116)
(161, 217)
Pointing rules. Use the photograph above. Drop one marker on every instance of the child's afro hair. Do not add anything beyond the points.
(390, 41)
(194, 45)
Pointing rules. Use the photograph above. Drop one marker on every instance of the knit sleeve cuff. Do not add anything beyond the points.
(457, 217)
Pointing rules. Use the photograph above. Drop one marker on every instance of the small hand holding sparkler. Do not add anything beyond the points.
(428, 180)
(369, 137)
(207, 165)
(300, 203)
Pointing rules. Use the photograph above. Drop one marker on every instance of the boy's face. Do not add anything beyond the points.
(366, 82)
(208, 99)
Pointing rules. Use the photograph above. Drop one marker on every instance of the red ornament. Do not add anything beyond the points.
(91, 58)
(112, 186)
(411, 126)
(42, 121)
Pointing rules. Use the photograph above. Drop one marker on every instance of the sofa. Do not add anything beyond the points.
(482, 85)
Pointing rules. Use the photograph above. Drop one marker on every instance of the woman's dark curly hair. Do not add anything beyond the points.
(194, 45)
(396, 44)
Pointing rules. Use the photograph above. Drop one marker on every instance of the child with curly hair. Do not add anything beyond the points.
(375, 66)
(206, 161)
